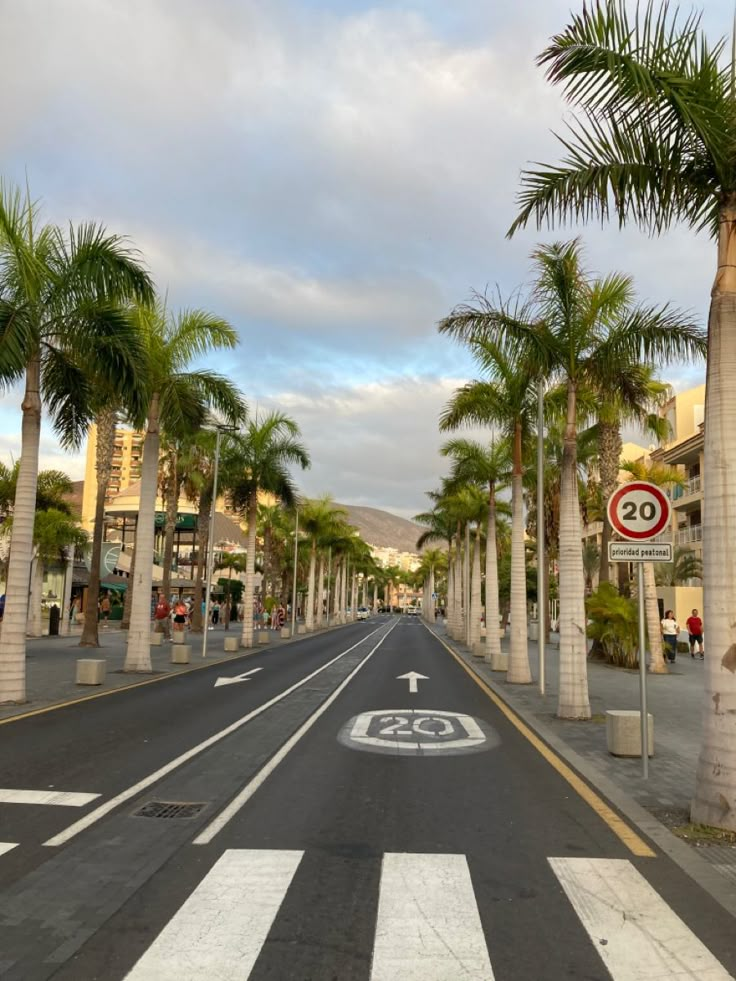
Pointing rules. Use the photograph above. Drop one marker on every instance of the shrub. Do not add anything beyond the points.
(613, 621)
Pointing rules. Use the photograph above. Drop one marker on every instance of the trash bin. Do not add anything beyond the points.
(533, 630)
(54, 617)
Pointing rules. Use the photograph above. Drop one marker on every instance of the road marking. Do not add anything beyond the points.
(428, 926)
(222, 926)
(56, 798)
(6, 846)
(636, 845)
(417, 732)
(110, 805)
(234, 679)
(413, 677)
(228, 812)
(635, 932)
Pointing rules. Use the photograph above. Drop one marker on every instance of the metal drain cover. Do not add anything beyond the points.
(168, 809)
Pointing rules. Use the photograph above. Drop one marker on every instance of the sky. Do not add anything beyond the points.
(333, 176)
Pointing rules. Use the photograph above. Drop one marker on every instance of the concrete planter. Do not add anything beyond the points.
(479, 648)
(285, 633)
(91, 671)
(179, 636)
(181, 653)
(232, 643)
(263, 637)
(623, 732)
(502, 662)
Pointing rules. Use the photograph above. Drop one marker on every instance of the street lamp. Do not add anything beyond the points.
(209, 566)
(541, 602)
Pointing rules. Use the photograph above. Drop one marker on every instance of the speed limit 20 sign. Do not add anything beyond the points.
(639, 511)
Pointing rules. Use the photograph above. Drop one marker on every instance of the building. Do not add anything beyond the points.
(126, 470)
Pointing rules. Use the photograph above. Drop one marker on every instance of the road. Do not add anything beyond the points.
(357, 807)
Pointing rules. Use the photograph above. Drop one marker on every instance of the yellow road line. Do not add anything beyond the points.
(135, 684)
(618, 826)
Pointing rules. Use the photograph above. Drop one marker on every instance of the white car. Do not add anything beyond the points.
(362, 613)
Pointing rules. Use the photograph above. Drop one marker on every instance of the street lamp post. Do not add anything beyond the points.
(541, 600)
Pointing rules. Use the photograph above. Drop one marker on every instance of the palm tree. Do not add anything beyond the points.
(54, 531)
(579, 332)
(491, 467)
(685, 565)
(62, 326)
(178, 400)
(440, 528)
(318, 520)
(654, 143)
(508, 401)
(266, 447)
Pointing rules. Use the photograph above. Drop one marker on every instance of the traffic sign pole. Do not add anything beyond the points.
(639, 511)
(643, 676)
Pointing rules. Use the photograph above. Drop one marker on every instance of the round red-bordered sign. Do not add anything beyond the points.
(639, 511)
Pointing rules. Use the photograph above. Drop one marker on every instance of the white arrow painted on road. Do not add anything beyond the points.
(412, 677)
(238, 677)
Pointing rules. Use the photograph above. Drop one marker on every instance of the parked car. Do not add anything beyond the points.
(413, 611)
(362, 613)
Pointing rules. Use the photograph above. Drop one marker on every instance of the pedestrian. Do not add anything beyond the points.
(670, 632)
(215, 613)
(161, 615)
(274, 617)
(694, 626)
(105, 607)
(74, 611)
(181, 612)
(282, 615)
(2, 607)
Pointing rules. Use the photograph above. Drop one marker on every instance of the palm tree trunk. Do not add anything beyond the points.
(138, 651)
(493, 640)
(354, 597)
(610, 458)
(336, 598)
(34, 627)
(475, 604)
(130, 591)
(519, 671)
(320, 590)
(309, 619)
(573, 700)
(654, 634)
(246, 639)
(715, 792)
(103, 465)
(450, 608)
(13, 647)
(172, 508)
(203, 536)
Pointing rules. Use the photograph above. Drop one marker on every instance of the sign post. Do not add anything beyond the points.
(639, 511)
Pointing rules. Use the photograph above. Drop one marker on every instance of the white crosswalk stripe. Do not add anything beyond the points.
(219, 931)
(428, 925)
(6, 846)
(55, 798)
(635, 932)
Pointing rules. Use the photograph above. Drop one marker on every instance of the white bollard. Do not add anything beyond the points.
(181, 653)
(91, 671)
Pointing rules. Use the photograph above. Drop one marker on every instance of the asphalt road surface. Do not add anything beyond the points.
(357, 806)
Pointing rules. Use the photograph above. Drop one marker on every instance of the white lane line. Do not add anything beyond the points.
(6, 846)
(57, 798)
(637, 935)
(219, 931)
(428, 926)
(110, 805)
(228, 812)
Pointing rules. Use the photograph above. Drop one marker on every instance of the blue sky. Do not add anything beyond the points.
(332, 176)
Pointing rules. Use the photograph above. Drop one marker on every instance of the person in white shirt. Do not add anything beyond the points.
(670, 631)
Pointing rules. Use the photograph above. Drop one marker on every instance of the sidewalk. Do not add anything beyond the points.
(51, 664)
(675, 702)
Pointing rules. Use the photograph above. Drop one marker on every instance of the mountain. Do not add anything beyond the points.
(383, 529)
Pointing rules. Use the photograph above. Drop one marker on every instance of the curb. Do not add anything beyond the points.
(697, 868)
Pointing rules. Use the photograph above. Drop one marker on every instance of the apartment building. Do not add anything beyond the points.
(126, 470)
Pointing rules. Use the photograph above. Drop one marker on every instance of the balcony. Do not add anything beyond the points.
(690, 533)
(690, 487)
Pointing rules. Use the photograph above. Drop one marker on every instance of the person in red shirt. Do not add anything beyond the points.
(161, 615)
(695, 631)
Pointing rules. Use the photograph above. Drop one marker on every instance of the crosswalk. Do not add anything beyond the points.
(428, 925)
